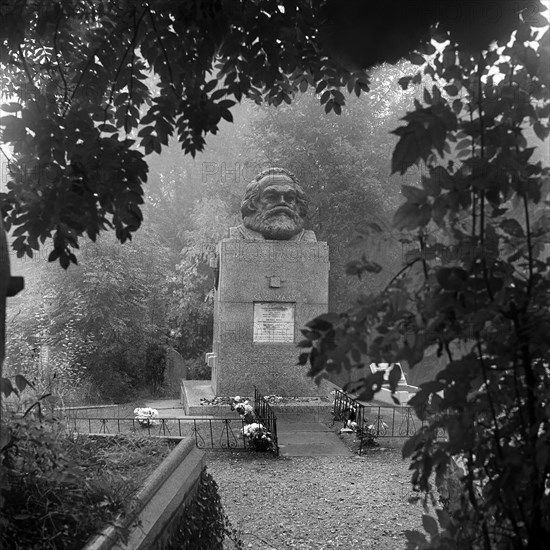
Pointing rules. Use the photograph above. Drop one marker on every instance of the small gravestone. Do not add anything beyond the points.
(272, 277)
(175, 370)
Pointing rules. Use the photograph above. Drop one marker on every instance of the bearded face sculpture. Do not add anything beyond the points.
(274, 206)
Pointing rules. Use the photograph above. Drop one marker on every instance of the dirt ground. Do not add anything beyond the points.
(318, 503)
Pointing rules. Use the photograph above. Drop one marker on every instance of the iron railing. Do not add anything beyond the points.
(209, 433)
(88, 411)
(219, 433)
(264, 412)
(375, 420)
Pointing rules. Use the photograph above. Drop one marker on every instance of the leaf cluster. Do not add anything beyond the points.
(203, 523)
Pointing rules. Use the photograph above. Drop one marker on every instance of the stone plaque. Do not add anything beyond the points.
(274, 322)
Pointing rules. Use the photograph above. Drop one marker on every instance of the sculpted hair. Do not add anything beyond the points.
(254, 188)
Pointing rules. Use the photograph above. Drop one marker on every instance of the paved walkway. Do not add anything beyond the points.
(308, 438)
(168, 408)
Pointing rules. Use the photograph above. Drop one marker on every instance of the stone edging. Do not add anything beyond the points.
(166, 491)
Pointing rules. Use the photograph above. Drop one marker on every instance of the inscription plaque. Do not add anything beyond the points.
(274, 322)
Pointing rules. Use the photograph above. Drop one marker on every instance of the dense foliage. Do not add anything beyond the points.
(476, 286)
(56, 492)
(98, 330)
(81, 117)
(203, 524)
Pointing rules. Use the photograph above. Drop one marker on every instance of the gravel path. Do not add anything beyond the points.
(318, 503)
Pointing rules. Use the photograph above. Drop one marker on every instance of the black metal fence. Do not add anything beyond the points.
(89, 411)
(374, 420)
(113, 425)
(209, 433)
(219, 433)
(265, 413)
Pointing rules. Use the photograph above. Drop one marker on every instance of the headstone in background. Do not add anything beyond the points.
(175, 369)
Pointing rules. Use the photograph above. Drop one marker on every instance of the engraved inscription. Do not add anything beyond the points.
(274, 322)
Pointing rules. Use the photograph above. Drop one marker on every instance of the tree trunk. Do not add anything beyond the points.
(4, 284)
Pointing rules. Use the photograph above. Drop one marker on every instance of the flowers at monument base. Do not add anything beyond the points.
(245, 410)
(145, 416)
(349, 427)
(258, 437)
(274, 399)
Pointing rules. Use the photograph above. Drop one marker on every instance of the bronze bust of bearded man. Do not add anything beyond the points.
(273, 208)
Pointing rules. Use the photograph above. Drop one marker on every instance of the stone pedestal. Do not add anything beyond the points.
(267, 291)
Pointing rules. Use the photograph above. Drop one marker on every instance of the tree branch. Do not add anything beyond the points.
(61, 73)
(26, 67)
(529, 247)
(489, 398)
(423, 256)
(165, 53)
(399, 273)
(482, 243)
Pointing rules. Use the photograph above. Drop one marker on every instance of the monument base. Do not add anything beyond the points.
(267, 291)
(193, 392)
(272, 370)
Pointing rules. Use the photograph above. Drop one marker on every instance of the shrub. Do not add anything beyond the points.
(55, 492)
(204, 524)
(197, 369)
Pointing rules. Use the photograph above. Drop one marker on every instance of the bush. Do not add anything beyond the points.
(155, 366)
(56, 492)
(197, 369)
(204, 524)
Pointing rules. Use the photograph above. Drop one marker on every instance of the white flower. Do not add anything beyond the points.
(145, 415)
(244, 408)
(146, 412)
(250, 429)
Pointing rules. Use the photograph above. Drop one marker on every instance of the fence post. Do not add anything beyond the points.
(265, 413)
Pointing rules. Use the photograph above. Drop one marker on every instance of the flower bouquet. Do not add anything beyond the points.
(245, 410)
(255, 434)
(258, 437)
(145, 416)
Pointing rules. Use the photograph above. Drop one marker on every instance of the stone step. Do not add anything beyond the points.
(309, 439)
(313, 449)
(301, 427)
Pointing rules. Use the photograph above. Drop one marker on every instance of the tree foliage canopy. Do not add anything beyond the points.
(80, 117)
